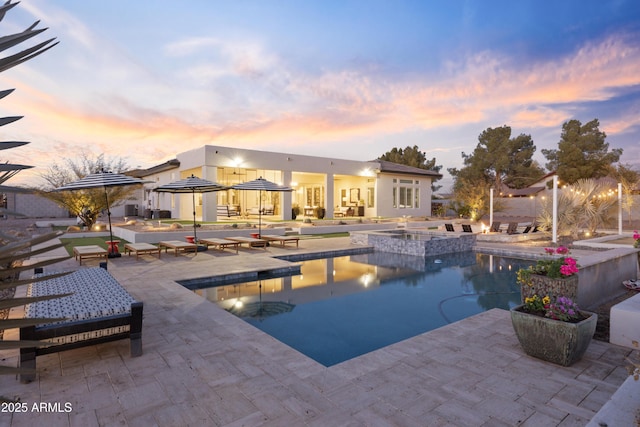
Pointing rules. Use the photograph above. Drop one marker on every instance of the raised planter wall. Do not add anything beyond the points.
(601, 275)
(434, 243)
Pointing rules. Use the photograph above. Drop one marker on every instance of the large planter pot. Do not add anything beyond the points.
(544, 285)
(558, 342)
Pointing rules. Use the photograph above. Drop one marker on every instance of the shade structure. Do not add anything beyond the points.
(102, 179)
(192, 185)
(261, 185)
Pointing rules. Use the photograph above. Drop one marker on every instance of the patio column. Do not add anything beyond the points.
(286, 196)
(210, 200)
(328, 195)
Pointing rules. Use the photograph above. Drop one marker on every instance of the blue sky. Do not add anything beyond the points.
(351, 79)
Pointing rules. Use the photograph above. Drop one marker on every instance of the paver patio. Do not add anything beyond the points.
(203, 366)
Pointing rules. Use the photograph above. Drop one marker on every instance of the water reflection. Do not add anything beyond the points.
(347, 306)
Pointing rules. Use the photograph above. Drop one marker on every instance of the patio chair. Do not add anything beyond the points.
(526, 229)
(512, 228)
(495, 227)
(466, 228)
(449, 227)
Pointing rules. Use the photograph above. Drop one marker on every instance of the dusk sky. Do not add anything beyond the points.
(146, 80)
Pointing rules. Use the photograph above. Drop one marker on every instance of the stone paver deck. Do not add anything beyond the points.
(204, 367)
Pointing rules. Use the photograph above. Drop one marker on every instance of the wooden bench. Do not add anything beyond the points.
(178, 246)
(141, 248)
(281, 239)
(99, 310)
(89, 251)
(250, 241)
(220, 243)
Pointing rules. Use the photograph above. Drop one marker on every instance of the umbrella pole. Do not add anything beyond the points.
(111, 253)
(260, 215)
(195, 235)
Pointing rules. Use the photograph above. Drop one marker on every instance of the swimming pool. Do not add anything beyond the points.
(343, 307)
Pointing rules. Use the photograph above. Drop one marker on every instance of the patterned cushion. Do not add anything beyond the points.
(95, 294)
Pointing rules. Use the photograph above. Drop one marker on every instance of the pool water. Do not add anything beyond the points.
(340, 308)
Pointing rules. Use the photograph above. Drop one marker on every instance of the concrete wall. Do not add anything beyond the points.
(34, 206)
(530, 207)
(601, 275)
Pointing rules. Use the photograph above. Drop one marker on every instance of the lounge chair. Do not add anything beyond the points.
(535, 229)
(141, 248)
(449, 227)
(466, 228)
(178, 246)
(512, 228)
(526, 229)
(89, 251)
(495, 227)
(220, 243)
(250, 241)
(281, 239)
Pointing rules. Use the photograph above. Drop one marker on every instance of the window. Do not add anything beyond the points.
(371, 197)
(406, 194)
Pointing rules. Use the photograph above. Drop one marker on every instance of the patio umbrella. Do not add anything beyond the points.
(261, 185)
(102, 179)
(192, 185)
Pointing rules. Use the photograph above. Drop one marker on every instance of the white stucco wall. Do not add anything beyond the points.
(213, 162)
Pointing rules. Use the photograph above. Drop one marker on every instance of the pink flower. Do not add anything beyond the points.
(550, 251)
(562, 250)
(636, 235)
(569, 267)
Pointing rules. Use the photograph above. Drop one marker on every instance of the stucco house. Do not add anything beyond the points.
(341, 187)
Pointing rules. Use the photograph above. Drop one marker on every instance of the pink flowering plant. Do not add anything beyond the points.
(636, 238)
(559, 266)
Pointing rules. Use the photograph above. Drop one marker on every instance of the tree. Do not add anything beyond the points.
(86, 204)
(412, 156)
(582, 152)
(629, 178)
(499, 159)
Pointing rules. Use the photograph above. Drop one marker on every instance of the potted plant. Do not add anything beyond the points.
(553, 330)
(295, 211)
(319, 212)
(553, 276)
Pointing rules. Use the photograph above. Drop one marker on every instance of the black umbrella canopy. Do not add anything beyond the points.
(192, 185)
(102, 179)
(261, 184)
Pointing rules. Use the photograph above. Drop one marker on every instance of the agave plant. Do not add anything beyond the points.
(586, 204)
(13, 250)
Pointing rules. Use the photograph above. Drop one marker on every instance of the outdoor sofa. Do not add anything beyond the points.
(98, 310)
